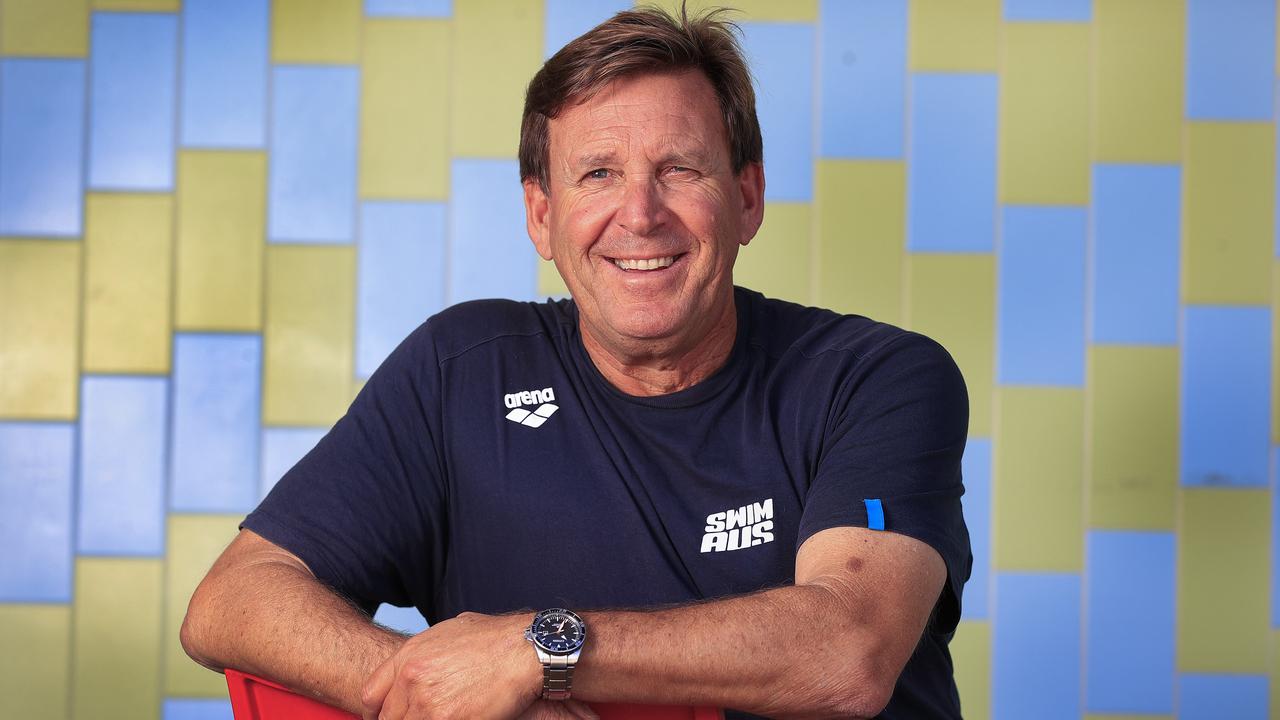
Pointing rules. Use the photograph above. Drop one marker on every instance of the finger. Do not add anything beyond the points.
(580, 710)
(396, 704)
(375, 689)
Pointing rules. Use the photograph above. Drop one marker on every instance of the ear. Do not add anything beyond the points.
(537, 209)
(751, 186)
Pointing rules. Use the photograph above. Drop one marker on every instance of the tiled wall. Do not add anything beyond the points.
(216, 218)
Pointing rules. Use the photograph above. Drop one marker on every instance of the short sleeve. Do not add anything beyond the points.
(891, 459)
(364, 508)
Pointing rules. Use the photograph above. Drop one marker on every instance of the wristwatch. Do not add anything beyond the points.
(557, 636)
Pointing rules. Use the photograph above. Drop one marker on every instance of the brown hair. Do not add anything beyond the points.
(637, 41)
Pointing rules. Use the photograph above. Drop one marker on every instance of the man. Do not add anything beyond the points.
(778, 486)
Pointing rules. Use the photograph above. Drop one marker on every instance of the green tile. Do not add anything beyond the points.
(117, 638)
(1133, 436)
(1224, 578)
(860, 231)
(1039, 480)
(777, 261)
(952, 299)
(33, 685)
(971, 655)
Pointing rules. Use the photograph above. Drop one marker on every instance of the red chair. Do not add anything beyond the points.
(253, 698)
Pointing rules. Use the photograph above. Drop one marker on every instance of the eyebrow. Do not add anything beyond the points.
(688, 156)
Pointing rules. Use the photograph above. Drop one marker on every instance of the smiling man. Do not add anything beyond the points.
(707, 496)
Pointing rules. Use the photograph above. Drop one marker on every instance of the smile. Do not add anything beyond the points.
(645, 264)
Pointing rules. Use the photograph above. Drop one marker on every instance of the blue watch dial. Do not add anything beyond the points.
(558, 631)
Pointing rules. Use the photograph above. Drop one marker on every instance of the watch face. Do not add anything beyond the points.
(558, 631)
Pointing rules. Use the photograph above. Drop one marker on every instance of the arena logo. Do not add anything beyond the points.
(738, 528)
(544, 399)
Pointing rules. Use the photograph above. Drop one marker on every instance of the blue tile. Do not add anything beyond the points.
(282, 448)
(406, 620)
(1035, 664)
(976, 468)
(1040, 297)
(951, 172)
(312, 190)
(782, 57)
(36, 462)
(408, 8)
(41, 147)
(216, 411)
(1214, 697)
(132, 100)
(567, 19)
(225, 56)
(1131, 627)
(196, 709)
(1231, 51)
(1048, 10)
(123, 421)
(490, 255)
(864, 78)
(401, 276)
(1136, 249)
(1225, 397)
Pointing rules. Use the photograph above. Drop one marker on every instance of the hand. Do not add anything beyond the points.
(472, 666)
(558, 710)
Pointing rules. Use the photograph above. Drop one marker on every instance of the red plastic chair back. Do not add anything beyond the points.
(253, 698)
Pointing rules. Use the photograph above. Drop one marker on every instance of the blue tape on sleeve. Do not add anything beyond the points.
(875, 514)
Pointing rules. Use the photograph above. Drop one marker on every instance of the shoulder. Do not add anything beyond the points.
(780, 327)
(467, 326)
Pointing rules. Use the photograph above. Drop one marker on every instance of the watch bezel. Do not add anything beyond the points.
(536, 638)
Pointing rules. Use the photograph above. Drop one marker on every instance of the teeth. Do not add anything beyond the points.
(650, 264)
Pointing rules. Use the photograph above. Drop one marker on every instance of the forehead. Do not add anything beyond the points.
(673, 108)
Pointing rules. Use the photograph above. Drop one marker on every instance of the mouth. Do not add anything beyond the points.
(645, 264)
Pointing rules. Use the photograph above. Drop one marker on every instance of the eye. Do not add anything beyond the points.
(679, 171)
(598, 174)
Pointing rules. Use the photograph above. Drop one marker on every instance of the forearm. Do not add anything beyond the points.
(276, 620)
(798, 651)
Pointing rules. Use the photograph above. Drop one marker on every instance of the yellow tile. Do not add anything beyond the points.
(128, 245)
(752, 10)
(33, 681)
(1133, 437)
(861, 211)
(39, 328)
(777, 261)
(971, 655)
(1139, 104)
(549, 280)
(404, 126)
(1090, 716)
(953, 35)
(952, 299)
(1044, 114)
(44, 28)
(222, 209)
(1039, 479)
(195, 541)
(139, 5)
(1224, 574)
(117, 638)
(1229, 196)
(497, 47)
(1275, 354)
(1275, 675)
(315, 31)
(308, 336)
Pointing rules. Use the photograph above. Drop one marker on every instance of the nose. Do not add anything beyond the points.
(643, 210)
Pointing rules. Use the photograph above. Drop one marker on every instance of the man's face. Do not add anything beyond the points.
(645, 216)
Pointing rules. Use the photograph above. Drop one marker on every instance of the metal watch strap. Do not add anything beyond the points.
(557, 678)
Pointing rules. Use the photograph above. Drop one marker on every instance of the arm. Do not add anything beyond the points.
(832, 645)
(301, 633)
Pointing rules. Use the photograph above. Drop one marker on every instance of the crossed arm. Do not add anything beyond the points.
(832, 645)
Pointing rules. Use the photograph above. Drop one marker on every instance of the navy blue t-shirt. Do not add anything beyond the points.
(488, 466)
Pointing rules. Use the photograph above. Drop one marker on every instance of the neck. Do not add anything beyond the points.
(646, 368)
